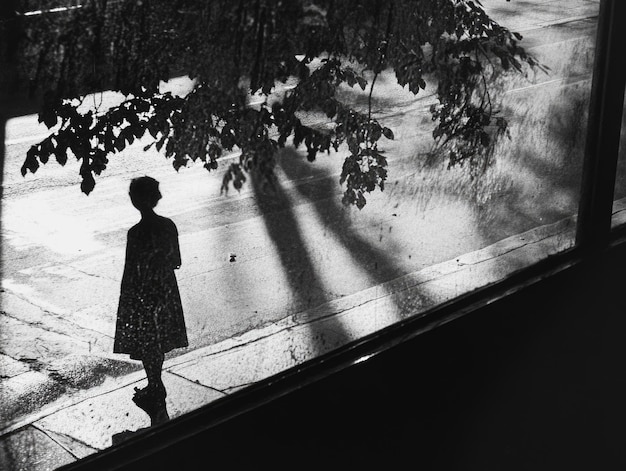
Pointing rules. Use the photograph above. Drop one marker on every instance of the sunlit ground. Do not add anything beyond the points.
(427, 214)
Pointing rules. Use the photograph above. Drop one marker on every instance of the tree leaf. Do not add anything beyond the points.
(388, 133)
(30, 163)
(227, 48)
(60, 154)
(88, 183)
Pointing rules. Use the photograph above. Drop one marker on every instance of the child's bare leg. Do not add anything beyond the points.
(153, 364)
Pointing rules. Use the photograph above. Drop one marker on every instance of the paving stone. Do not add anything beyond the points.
(10, 367)
(75, 447)
(23, 393)
(336, 323)
(30, 449)
(238, 367)
(96, 421)
(42, 344)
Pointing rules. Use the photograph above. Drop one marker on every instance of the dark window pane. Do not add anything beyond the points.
(619, 203)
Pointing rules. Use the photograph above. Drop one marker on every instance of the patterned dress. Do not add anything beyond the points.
(150, 314)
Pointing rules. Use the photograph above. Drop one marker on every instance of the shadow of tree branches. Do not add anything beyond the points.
(285, 233)
(319, 195)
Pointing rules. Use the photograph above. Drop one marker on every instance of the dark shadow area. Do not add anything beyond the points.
(324, 196)
(319, 192)
(150, 319)
(285, 233)
(121, 437)
(620, 180)
(532, 381)
(156, 410)
(153, 406)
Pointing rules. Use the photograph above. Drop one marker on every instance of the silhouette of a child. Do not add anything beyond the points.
(150, 319)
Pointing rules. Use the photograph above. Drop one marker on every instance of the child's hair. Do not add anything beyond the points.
(144, 192)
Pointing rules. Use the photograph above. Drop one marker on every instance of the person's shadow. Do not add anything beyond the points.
(156, 410)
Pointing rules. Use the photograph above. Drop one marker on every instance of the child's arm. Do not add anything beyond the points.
(176, 261)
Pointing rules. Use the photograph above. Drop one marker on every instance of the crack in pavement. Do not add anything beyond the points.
(196, 382)
(70, 438)
(102, 277)
(56, 316)
(41, 326)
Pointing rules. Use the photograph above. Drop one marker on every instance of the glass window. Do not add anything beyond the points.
(619, 203)
(274, 275)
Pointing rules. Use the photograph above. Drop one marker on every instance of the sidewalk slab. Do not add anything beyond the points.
(75, 447)
(11, 367)
(30, 449)
(105, 414)
(64, 383)
(22, 392)
(258, 354)
(96, 420)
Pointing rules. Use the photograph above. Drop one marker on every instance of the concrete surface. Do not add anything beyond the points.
(90, 421)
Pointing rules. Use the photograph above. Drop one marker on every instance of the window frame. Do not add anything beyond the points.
(603, 131)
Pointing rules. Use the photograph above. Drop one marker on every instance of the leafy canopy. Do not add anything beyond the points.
(232, 48)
